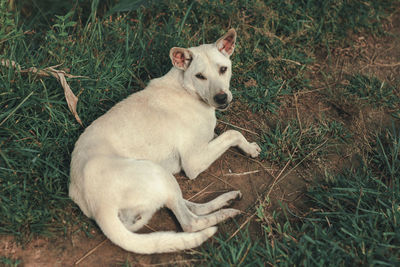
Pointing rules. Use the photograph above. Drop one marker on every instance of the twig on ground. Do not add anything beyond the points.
(90, 252)
(201, 191)
(241, 173)
(150, 228)
(241, 226)
(253, 160)
(284, 59)
(385, 65)
(316, 89)
(278, 179)
(244, 256)
(240, 128)
(225, 182)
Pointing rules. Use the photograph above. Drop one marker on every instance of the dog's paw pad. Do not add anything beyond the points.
(233, 196)
(254, 150)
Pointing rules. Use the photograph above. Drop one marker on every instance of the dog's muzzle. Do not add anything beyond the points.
(221, 100)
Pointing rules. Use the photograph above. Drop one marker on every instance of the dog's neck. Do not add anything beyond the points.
(177, 75)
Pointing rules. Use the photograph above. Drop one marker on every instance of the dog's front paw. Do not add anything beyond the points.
(253, 149)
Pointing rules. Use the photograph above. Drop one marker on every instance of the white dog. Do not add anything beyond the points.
(123, 164)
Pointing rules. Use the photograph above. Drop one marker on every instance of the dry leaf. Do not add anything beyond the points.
(60, 75)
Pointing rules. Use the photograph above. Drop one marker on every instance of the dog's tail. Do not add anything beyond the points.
(158, 242)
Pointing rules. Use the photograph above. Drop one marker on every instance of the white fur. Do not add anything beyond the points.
(123, 164)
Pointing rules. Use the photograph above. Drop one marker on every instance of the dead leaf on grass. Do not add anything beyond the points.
(60, 75)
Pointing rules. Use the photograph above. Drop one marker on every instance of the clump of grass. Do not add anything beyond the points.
(264, 95)
(294, 142)
(372, 91)
(9, 262)
(359, 91)
(353, 218)
(240, 250)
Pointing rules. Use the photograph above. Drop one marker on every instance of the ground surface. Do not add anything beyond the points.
(234, 171)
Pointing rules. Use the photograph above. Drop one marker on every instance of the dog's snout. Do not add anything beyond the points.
(221, 98)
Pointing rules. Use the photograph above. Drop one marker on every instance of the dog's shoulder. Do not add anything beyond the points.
(168, 90)
(169, 81)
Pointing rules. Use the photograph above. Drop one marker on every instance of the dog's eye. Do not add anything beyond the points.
(200, 76)
(222, 70)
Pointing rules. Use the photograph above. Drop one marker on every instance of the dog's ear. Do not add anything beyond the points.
(226, 44)
(180, 57)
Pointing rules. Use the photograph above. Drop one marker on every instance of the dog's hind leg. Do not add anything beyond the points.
(133, 220)
(191, 222)
(215, 204)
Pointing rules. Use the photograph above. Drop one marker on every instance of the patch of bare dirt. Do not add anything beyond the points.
(370, 55)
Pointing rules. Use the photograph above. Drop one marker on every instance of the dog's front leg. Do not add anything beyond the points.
(200, 158)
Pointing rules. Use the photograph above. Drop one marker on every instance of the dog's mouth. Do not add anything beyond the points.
(219, 107)
(223, 107)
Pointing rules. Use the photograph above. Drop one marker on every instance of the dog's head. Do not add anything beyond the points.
(207, 69)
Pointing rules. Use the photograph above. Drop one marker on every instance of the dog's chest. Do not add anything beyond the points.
(190, 128)
(199, 123)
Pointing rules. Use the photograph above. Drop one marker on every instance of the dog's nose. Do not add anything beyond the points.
(220, 98)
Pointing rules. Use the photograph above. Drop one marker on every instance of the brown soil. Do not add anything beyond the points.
(234, 171)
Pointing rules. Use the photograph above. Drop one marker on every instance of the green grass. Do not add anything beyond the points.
(120, 52)
(353, 219)
(370, 91)
(9, 262)
(361, 90)
(294, 142)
